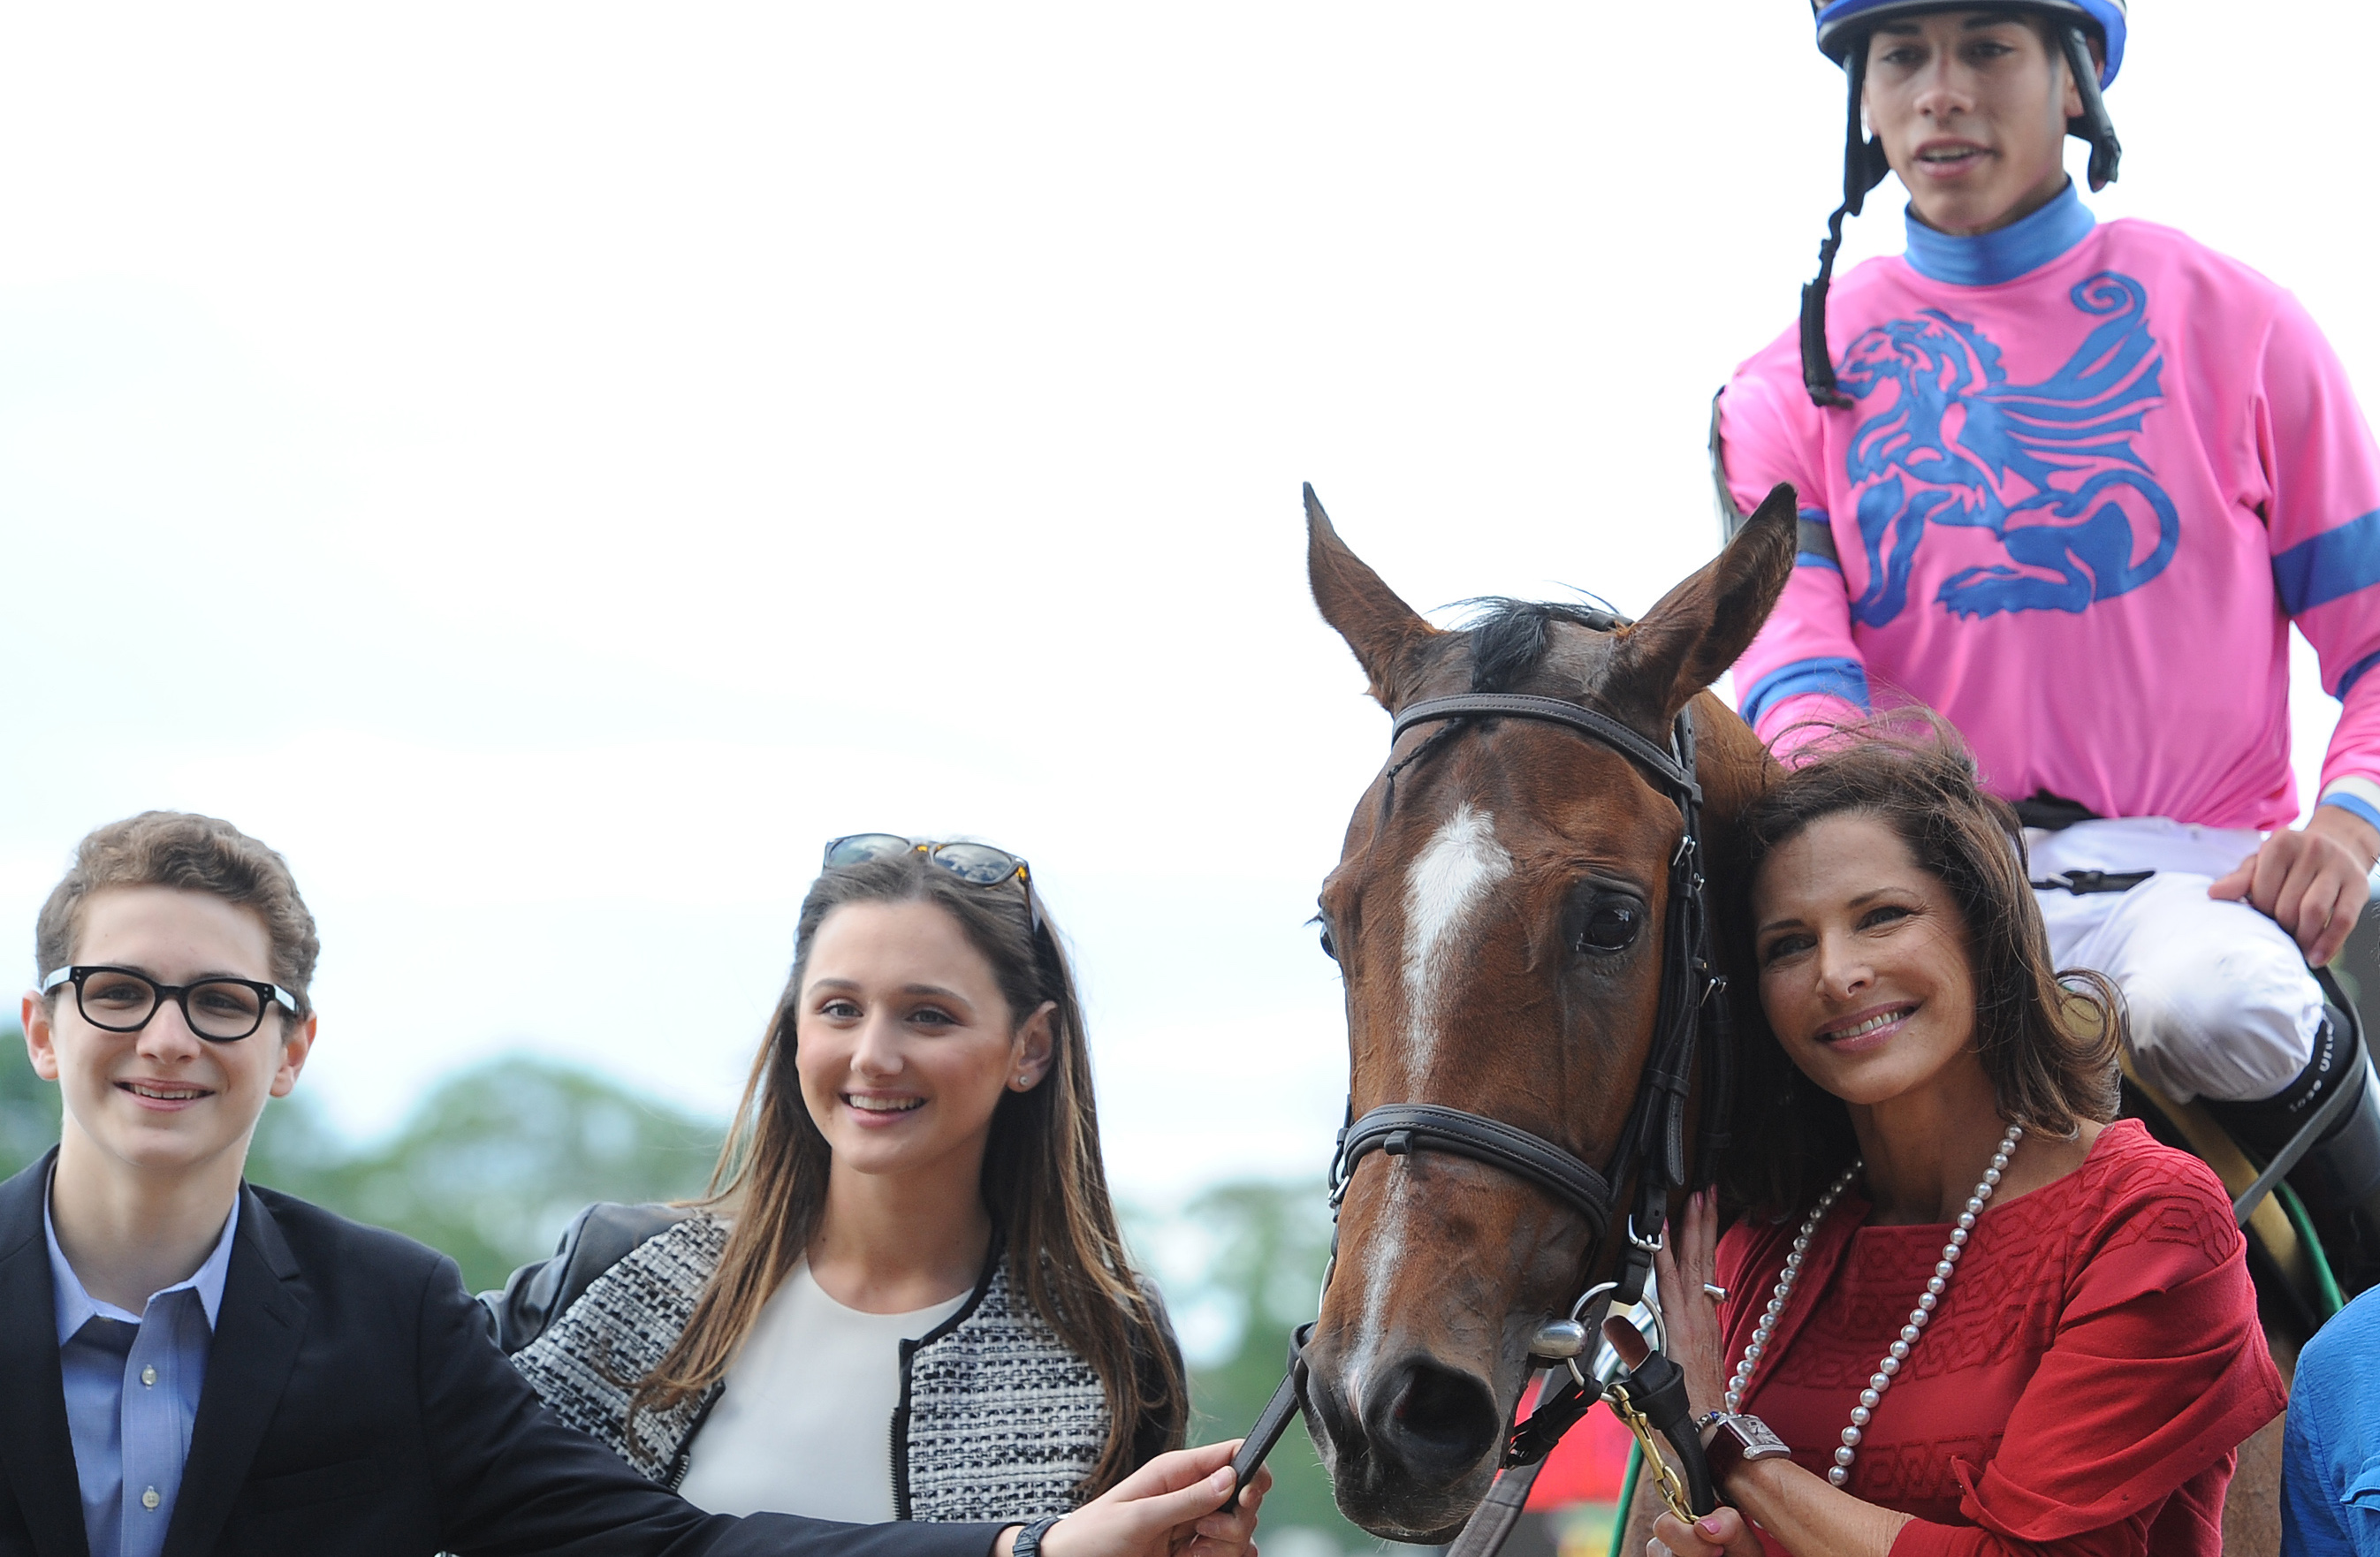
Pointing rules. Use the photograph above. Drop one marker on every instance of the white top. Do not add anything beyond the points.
(805, 1425)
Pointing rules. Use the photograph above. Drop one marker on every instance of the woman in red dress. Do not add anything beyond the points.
(1979, 1317)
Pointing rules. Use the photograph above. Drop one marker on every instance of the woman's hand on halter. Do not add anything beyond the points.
(1687, 1264)
(1169, 1507)
(1721, 1530)
(1798, 1509)
(1687, 1260)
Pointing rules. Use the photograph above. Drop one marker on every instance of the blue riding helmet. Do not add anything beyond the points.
(1843, 23)
(1843, 29)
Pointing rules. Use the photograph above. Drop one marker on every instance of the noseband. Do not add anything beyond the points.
(1692, 1012)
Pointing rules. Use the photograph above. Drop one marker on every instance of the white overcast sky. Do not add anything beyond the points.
(547, 468)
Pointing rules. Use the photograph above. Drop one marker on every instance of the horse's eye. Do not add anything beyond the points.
(1328, 948)
(1610, 927)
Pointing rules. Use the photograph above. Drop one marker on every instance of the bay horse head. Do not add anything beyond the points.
(1499, 914)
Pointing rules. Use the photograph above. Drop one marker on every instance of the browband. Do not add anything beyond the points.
(1558, 710)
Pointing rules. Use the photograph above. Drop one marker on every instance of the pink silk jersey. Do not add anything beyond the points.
(2092, 474)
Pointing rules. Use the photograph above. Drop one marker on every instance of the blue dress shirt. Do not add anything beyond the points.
(2330, 1454)
(132, 1387)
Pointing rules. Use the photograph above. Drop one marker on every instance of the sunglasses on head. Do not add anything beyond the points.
(976, 864)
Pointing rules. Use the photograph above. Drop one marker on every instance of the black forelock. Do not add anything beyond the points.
(1508, 638)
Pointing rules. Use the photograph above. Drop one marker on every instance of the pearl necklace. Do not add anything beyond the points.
(1898, 1354)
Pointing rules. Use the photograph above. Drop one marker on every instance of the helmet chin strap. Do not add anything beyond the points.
(2095, 126)
(1864, 167)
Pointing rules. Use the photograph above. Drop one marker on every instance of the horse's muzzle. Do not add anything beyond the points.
(1416, 1453)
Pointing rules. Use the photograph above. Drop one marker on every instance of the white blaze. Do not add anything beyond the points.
(1445, 887)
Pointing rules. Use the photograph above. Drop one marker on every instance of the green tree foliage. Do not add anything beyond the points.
(492, 1164)
(1246, 1259)
(29, 1106)
(488, 1168)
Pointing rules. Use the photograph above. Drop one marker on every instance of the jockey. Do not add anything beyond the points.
(2069, 482)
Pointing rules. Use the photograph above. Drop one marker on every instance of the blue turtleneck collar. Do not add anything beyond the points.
(2004, 254)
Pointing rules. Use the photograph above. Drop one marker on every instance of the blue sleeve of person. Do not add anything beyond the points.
(2330, 1480)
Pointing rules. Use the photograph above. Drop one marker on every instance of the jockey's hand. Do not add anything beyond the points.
(1722, 1530)
(2314, 881)
(1169, 1507)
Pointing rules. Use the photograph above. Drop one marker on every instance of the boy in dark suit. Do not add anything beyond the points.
(194, 1365)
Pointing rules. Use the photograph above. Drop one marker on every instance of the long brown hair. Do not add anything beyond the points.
(2047, 1040)
(1043, 1181)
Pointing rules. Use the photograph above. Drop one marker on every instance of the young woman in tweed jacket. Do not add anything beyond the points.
(906, 1296)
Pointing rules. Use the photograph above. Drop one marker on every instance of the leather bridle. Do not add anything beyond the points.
(1651, 1151)
(1692, 1014)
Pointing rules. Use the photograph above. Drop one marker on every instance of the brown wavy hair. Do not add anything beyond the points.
(188, 853)
(1043, 1181)
(2047, 1040)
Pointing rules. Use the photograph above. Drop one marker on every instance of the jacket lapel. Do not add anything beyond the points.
(36, 1452)
(257, 1334)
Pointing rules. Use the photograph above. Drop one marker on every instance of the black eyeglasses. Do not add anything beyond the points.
(976, 864)
(123, 1000)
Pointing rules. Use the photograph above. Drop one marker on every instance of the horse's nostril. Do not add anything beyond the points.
(1441, 1422)
(1329, 1410)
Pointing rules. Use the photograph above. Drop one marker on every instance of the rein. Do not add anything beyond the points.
(1651, 1153)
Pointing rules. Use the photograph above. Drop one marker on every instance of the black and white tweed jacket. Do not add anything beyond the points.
(998, 1419)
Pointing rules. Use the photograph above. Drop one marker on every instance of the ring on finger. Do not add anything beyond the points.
(1715, 1291)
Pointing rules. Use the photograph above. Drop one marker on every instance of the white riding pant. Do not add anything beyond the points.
(2221, 1004)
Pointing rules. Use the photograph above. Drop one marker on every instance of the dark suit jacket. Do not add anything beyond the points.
(355, 1405)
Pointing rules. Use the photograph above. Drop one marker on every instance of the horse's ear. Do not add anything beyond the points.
(1688, 640)
(1386, 634)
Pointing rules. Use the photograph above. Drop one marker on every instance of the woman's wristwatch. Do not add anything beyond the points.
(1740, 1438)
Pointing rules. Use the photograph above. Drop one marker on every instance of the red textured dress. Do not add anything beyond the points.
(2081, 1389)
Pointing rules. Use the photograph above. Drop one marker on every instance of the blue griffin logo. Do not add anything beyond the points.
(2048, 468)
